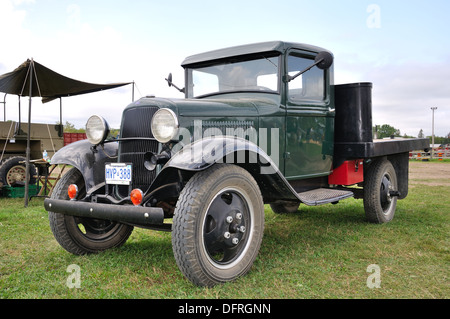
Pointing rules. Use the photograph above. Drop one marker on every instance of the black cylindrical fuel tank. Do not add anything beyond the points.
(353, 121)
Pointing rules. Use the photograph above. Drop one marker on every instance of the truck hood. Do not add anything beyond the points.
(213, 107)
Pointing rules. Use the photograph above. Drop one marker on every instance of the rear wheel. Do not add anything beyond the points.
(81, 235)
(218, 225)
(380, 192)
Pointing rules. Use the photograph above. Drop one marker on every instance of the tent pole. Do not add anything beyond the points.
(20, 119)
(4, 107)
(60, 111)
(61, 130)
(27, 164)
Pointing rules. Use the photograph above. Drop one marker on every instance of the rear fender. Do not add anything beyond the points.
(400, 162)
(206, 152)
(401, 166)
(89, 160)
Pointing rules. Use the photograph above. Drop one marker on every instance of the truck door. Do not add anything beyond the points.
(309, 119)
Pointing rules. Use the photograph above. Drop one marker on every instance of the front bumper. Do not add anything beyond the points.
(126, 214)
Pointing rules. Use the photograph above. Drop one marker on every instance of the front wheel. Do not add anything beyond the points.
(218, 225)
(380, 192)
(82, 235)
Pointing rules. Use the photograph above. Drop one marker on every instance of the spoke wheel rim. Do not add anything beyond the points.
(17, 173)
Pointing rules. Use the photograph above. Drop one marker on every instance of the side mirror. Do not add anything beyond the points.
(169, 79)
(323, 60)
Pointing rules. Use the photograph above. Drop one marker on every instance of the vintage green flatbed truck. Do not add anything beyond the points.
(260, 124)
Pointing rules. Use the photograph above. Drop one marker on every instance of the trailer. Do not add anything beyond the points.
(13, 143)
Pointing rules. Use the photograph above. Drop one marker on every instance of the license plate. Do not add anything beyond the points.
(118, 173)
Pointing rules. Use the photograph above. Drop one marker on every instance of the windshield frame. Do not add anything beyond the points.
(267, 58)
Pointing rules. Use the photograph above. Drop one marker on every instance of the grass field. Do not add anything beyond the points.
(318, 252)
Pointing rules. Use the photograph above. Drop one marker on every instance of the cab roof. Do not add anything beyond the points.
(272, 46)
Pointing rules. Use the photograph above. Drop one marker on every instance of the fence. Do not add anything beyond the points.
(439, 153)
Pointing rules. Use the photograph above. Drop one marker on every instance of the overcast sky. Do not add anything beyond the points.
(402, 46)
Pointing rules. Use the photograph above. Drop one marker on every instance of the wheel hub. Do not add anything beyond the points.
(236, 228)
(385, 192)
(96, 229)
(225, 227)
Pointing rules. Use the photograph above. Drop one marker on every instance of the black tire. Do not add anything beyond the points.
(379, 187)
(80, 235)
(208, 248)
(285, 207)
(13, 172)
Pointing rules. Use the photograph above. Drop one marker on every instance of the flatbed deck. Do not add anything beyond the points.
(379, 147)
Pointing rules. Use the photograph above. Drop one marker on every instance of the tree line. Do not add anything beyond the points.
(70, 128)
(386, 131)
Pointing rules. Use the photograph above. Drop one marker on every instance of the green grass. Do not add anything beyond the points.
(434, 160)
(319, 252)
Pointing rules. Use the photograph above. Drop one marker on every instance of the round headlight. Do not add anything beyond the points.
(97, 129)
(164, 125)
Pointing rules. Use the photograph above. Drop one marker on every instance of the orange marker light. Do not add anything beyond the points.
(72, 191)
(136, 196)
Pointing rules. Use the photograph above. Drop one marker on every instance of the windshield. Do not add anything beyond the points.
(258, 74)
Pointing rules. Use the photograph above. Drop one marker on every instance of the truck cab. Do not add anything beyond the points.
(301, 109)
(259, 124)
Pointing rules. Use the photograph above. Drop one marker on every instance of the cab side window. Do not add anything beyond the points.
(310, 86)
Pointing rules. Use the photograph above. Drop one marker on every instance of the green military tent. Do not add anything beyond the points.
(35, 80)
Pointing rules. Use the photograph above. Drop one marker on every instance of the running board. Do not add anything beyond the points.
(322, 196)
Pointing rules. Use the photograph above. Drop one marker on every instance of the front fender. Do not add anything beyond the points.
(88, 160)
(206, 152)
